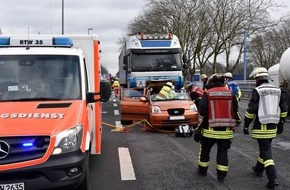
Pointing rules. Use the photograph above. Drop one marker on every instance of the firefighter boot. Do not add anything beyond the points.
(257, 173)
(272, 184)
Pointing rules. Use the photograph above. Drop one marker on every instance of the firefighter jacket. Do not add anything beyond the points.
(267, 107)
(196, 93)
(219, 108)
(165, 93)
(235, 88)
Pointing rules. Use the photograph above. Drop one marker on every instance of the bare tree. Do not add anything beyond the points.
(206, 28)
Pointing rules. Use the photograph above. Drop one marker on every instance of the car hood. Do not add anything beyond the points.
(171, 104)
(39, 118)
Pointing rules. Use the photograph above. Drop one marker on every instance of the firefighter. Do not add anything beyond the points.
(219, 109)
(167, 92)
(195, 93)
(204, 80)
(231, 84)
(116, 86)
(269, 110)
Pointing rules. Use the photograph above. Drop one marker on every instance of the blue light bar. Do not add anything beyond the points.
(4, 41)
(62, 41)
(27, 144)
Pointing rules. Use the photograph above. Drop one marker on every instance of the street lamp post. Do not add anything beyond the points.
(62, 17)
(245, 56)
(89, 30)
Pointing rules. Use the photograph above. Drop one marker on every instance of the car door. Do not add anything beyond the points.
(133, 105)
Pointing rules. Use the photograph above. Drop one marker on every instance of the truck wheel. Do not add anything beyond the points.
(85, 185)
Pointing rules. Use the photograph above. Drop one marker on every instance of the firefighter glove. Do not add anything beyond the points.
(246, 130)
(197, 135)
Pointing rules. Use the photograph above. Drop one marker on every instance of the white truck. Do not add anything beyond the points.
(280, 75)
(50, 116)
(150, 57)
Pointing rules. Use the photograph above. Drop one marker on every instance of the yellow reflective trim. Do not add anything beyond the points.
(203, 164)
(263, 136)
(269, 163)
(283, 114)
(263, 127)
(222, 168)
(261, 160)
(210, 133)
(250, 116)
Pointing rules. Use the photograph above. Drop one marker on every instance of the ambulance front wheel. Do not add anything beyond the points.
(85, 185)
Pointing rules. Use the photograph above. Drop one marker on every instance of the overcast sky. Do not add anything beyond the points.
(108, 18)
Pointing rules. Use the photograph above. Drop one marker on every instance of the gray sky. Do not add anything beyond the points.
(108, 18)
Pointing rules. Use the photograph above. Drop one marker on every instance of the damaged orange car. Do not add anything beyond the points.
(162, 114)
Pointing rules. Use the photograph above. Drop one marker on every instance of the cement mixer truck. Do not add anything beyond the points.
(280, 75)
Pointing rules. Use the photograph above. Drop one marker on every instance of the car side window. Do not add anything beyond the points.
(131, 93)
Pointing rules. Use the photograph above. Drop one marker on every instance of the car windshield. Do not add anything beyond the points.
(177, 96)
(39, 77)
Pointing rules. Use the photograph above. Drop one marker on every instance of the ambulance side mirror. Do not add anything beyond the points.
(104, 94)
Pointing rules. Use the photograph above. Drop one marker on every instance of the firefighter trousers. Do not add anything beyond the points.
(221, 159)
(265, 160)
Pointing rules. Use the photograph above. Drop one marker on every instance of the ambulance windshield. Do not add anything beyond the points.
(39, 77)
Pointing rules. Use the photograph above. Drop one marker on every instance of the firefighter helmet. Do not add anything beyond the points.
(260, 73)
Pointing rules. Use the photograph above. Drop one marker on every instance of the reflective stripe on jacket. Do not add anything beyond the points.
(218, 134)
(166, 91)
(220, 109)
(269, 110)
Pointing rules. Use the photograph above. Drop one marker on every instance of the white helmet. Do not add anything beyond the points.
(203, 76)
(260, 72)
(169, 84)
(228, 75)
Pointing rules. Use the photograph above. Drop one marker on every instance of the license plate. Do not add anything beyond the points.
(12, 186)
(180, 117)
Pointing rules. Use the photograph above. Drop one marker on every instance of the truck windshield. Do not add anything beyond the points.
(39, 77)
(155, 62)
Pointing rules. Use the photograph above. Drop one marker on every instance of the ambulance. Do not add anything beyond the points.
(50, 111)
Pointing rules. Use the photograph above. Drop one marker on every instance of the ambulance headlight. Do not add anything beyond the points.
(68, 140)
(192, 108)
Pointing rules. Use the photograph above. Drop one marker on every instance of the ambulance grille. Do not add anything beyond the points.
(176, 111)
(54, 105)
(22, 148)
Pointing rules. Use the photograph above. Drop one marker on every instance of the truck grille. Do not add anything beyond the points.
(20, 149)
(176, 111)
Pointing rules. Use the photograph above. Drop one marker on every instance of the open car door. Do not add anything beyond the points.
(133, 106)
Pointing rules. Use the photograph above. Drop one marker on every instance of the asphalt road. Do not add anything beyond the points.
(163, 161)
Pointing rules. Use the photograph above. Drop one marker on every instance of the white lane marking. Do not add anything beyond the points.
(126, 166)
(116, 112)
(115, 104)
(114, 100)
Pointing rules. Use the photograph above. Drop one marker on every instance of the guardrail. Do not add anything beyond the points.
(246, 88)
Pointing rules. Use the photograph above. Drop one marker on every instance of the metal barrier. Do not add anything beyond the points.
(246, 88)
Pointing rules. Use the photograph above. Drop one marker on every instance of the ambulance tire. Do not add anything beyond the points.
(85, 185)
